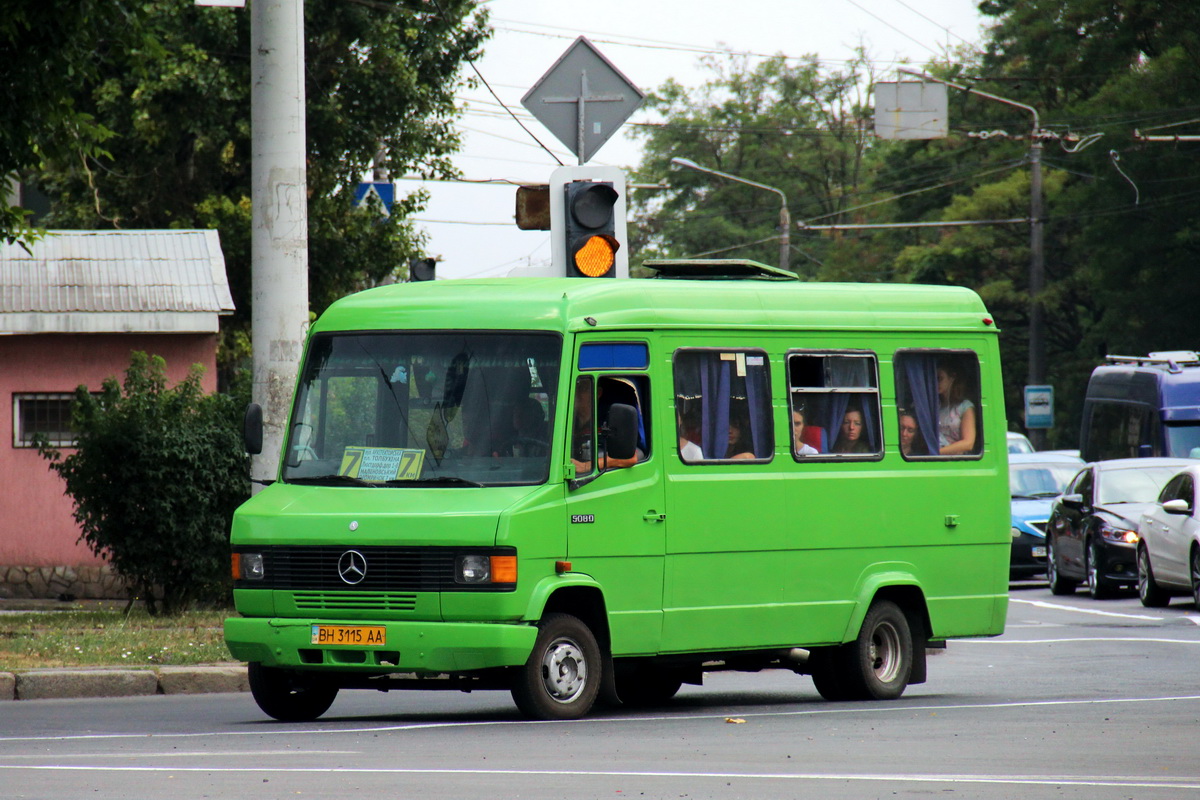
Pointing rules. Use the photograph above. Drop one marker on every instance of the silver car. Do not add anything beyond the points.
(1168, 555)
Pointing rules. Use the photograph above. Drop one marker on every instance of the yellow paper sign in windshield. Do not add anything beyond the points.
(382, 463)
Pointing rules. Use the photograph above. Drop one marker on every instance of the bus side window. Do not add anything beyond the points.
(723, 405)
(937, 393)
(834, 404)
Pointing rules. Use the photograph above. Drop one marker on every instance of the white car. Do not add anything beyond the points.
(1019, 443)
(1168, 554)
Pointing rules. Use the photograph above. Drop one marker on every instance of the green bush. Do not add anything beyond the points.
(155, 478)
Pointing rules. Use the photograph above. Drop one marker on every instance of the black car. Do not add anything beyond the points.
(1092, 533)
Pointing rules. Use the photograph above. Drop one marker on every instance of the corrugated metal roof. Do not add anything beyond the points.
(124, 277)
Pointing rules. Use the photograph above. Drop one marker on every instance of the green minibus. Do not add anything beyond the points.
(581, 490)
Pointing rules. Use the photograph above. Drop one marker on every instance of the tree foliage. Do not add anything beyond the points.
(155, 477)
(380, 77)
(50, 54)
(784, 123)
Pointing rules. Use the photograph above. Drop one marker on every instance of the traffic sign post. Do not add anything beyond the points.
(583, 99)
(1039, 407)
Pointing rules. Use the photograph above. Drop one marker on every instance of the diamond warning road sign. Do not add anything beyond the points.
(583, 99)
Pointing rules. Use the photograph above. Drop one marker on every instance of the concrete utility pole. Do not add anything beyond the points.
(279, 193)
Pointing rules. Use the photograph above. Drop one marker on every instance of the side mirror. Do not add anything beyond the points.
(1177, 506)
(1072, 500)
(252, 429)
(622, 431)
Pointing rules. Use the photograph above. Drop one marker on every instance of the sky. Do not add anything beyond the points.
(470, 224)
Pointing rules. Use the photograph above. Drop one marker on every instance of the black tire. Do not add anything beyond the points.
(1099, 587)
(1058, 584)
(1149, 592)
(875, 666)
(290, 695)
(1195, 565)
(647, 686)
(562, 676)
(828, 668)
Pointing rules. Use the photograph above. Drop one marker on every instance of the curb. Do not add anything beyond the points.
(46, 684)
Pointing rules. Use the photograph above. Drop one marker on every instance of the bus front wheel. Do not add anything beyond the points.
(562, 676)
(289, 695)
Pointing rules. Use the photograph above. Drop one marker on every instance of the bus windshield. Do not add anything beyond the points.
(442, 408)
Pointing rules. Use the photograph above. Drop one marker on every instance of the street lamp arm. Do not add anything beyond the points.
(1037, 126)
(785, 217)
(687, 162)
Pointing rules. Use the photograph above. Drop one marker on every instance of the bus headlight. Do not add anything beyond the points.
(479, 569)
(248, 567)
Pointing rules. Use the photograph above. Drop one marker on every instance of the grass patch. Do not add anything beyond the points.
(110, 639)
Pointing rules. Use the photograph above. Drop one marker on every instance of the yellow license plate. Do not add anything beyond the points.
(364, 635)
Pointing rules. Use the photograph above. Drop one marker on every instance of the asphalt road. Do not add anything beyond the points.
(1079, 699)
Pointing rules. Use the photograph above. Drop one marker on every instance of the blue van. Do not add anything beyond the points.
(1140, 406)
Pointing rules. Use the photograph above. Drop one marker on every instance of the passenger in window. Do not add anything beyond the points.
(911, 441)
(852, 434)
(739, 446)
(688, 428)
(956, 414)
(798, 445)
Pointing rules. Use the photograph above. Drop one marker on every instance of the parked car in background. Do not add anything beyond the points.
(1092, 535)
(1168, 555)
(1034, 481)
(1019, 443)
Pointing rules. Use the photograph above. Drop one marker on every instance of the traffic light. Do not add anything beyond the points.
(422, 269)
(590, 231)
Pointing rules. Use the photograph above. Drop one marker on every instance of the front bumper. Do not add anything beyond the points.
(409, 646)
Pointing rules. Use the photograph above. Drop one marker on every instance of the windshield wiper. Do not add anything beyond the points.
(446, 480)
(331, 480)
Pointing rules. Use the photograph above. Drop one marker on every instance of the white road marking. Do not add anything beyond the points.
(1077, 610)
(864, 708)
(1115, 781)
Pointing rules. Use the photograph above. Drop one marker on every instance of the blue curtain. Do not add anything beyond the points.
(758, 399)
(714, 417)
(920, 370)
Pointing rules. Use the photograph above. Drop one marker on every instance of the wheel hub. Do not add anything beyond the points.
(564, 670)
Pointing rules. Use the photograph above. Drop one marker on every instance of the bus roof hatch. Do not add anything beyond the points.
(717, 269)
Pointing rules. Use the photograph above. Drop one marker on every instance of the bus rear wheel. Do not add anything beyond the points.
(289, 695)
(562, 676)
(876, 665)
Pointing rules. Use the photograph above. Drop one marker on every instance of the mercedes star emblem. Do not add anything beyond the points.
(352, 567)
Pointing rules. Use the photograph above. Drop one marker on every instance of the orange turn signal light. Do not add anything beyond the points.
(504, 569)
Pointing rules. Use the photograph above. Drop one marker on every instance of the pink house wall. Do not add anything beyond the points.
(36, 526)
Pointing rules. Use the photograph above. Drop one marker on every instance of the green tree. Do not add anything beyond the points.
(786, 123)
(155, 477)
(380, 77)
(49, 56)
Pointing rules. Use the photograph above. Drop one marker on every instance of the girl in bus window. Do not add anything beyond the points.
(956, 414)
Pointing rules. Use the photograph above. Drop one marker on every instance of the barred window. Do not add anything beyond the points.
(45, 413)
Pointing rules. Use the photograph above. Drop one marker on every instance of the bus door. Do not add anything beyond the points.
(616, 516)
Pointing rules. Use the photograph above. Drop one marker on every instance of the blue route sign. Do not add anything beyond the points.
(384, 192)
(1039, 406)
